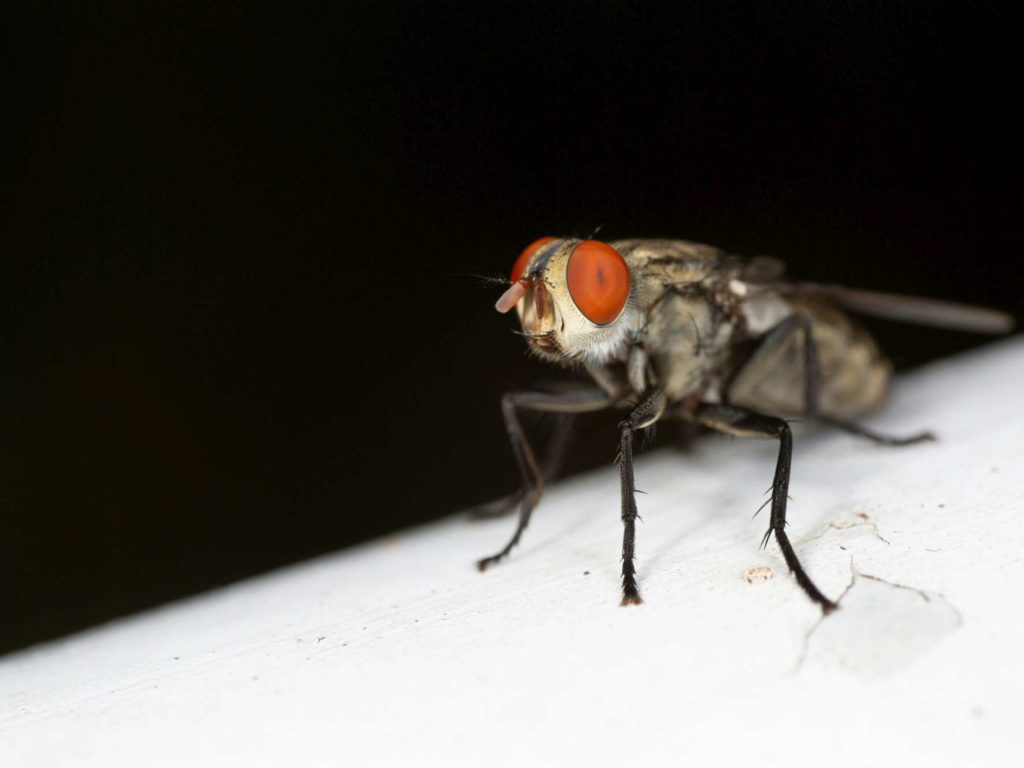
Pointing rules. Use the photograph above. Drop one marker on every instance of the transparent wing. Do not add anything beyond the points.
(761, 269)
(911, 309)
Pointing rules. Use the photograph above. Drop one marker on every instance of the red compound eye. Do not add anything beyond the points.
(598, 279)
(526, 255)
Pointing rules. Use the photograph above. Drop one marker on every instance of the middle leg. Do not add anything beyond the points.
(745, 423)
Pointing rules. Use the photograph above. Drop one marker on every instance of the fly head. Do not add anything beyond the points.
(575, 300)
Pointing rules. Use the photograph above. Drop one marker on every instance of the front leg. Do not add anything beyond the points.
(744, 423)
(643, 415)
(576, 401)
(554, 457)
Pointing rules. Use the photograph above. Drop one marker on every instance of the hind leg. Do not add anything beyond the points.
(771, 352)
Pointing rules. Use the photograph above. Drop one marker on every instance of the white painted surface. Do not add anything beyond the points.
(399, 652)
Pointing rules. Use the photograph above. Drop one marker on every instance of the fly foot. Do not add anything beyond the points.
(631, 597)
(485, 563)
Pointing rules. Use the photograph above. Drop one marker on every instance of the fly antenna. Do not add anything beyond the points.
(484, 279)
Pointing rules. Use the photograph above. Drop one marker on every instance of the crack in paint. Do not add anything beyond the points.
(926, 596)
(824, 615)
(865, 522)
(855, 574)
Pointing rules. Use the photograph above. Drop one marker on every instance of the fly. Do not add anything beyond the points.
(674, 330)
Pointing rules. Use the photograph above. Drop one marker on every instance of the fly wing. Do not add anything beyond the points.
(761, 269)
(911, 309)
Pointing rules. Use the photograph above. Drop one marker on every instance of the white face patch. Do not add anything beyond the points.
(597, 345)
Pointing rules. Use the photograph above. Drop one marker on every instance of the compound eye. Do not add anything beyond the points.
(598, 279)
(526, 255)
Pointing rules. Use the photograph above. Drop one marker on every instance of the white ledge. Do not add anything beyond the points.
(399, 652)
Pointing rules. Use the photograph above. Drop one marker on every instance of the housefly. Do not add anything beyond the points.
(675, 330)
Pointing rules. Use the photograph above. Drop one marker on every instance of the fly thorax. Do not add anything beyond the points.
(687, 342)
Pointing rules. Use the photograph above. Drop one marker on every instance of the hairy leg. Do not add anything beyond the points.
(745, 423)
(646, 413)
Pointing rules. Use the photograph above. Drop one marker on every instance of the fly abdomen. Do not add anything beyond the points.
(852, 376)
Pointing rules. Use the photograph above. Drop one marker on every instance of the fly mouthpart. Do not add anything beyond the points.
(545, 343)
(511, 297)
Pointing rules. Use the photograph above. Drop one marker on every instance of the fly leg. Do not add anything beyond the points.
(646, 413)
(745, 423)
(554, 457)
(856, 429)
(812, 389)
(771, 352)
(578, 401)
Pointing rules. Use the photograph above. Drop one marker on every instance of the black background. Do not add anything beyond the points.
(237, 323)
